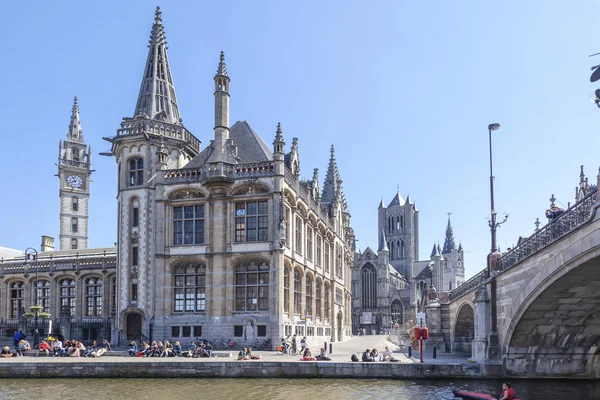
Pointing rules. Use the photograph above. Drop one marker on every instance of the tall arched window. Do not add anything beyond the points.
(67, 294)
(326, 309)
(75, 204)
(136, 172)
(309, 295)
(391, 249)
(398, 251)
(43, 295)
(17, 298)
(113, 295)
(75, 153)
(73, 244)
(402, 223)
(369, 287)
(297, 292)
(286, 290)
(252, 287)
(397, 314)
(74, 225)
(402, 248)
(93, 297)
(318, 295)
(189, 288)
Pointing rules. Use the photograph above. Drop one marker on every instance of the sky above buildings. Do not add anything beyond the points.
(404, 90)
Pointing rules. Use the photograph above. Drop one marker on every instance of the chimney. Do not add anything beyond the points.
(47, 243)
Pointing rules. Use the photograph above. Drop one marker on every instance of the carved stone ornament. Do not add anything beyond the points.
(250, 189)
(134, 237)
(187, 194)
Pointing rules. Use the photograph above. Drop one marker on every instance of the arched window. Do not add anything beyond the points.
(113, 295)
(398, 223)
(43, 295)
(450, 285)
(252, 287)
(399, 253)
(309, 295)
(397, 314)
(286, 290)
(17, 298)
(391, 249)
(136, 171)
(402, 248)
(318, 294)
(73, 244)
(93, 297)
(75, 153)
(297, 292)
(67, 295)
(74, 225)
(326, 310)
(189, 288)
(369, 287)
(338, 260)
(75, 204)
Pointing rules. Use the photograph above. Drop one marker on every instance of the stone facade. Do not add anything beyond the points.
(392, 285)
(224, 242)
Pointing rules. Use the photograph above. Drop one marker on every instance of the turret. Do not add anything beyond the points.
(221, 110)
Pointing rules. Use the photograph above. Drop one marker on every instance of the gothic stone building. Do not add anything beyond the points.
(224, 241)
(392, 285)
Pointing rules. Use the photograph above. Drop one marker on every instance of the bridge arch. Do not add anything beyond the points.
(464, 329)
(554, 320)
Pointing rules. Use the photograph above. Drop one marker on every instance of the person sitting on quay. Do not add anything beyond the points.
(366, 356)
(177, 349)
(243, 354)
(23, 347)
(90, 349)
(323, 356)
(43, 347)
(133, 349)
(306, 355)
(56, 348)
(191, 349)
(373, 355)
(387, 355)
(209, 349)
(251, 355)
(143, 349)
(6, 353)
(168, 352)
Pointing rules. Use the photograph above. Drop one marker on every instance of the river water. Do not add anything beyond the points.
(276, 389)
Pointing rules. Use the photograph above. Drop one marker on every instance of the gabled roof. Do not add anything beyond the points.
(368, 254)
(250, 146)
(397, 201)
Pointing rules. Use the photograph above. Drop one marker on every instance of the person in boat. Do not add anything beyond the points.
(508, 393)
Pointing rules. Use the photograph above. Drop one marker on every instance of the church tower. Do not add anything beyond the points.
(400, 222)
(74, 171)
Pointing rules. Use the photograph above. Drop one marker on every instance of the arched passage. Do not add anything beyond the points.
(464, 330)
(560, 327)
(397, 311)
(134, 326)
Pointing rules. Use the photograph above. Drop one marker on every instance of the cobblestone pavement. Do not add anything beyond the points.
(341, 353)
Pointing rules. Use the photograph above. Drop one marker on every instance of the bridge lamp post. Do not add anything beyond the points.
(31, 254)
(493, 258)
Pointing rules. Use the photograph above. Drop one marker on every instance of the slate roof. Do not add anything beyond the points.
(6, 253)
(251, 147)
(396, 201)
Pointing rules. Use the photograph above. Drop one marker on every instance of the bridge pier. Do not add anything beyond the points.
(482, 325)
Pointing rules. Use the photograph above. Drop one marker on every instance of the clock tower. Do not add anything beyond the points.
(74, 171)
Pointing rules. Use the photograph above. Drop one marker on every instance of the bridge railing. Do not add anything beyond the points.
(469, 285)
(572, 218)
(568, 221)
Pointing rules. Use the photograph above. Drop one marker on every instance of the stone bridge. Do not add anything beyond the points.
(548, 301)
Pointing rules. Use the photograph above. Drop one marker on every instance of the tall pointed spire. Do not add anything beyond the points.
(435, 251)
(222, 68)
(383, 242)
(332, 186)
(75, 133)
(157, 99)
(449, 242)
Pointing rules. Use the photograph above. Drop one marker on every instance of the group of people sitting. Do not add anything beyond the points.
(372, 355)
(154, 349)
(57, 345)
(246, 354)
(307, 355)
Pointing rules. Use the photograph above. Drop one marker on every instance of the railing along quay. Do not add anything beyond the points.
(571, 219)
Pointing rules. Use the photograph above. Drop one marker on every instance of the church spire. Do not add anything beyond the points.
(332, 186)
(157, 99)
(75, 133)
(383, 242)
(449, 242)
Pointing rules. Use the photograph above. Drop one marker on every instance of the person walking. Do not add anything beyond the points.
(16, 339)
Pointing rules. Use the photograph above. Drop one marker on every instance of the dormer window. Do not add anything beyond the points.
(136, 172)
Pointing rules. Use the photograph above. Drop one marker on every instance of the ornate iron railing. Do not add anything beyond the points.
(153, 127)
(73, 163)
(469, 285)
(215, 170)
(572, 218)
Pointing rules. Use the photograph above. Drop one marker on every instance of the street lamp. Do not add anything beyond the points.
(492, 349)
(31, 254)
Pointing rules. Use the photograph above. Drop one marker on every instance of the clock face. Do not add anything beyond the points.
(74, 181)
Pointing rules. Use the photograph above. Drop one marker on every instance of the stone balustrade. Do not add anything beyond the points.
(153, 127)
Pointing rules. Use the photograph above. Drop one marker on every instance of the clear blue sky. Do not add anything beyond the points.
(404, 89)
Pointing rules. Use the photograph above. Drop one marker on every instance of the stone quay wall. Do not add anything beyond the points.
(232, 369)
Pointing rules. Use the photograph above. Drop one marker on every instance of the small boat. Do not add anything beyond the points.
(465, 394)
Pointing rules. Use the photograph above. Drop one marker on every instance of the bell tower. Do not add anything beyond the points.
(74, 171)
